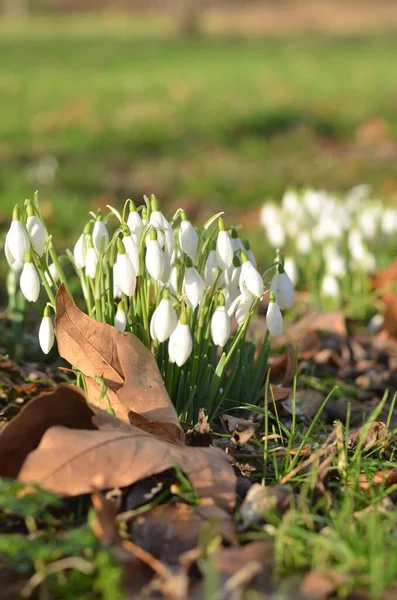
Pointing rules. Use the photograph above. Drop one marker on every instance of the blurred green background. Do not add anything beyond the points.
(207, 104)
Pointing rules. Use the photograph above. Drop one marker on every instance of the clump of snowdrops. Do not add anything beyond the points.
(187, 293)
(331, 243)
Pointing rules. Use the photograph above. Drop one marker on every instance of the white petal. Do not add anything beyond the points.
(30, 282)
(188, 239)
(98, 233)
(126, 274)
(91, 261)
(274, 319)
(224, 250)
(36, 234)
(120, 320)
(193, 286)
(46, 334)
(18, 241)
(220, 326)
(154, 260)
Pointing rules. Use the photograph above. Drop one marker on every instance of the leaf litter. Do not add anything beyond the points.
(184, 509)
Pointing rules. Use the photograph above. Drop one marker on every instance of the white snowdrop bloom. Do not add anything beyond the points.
(224, 250)
(79, 251)
(237, 244)
(164, 231)
(388, 222)
(220, 326)
(54, 274)
(154, 259)
(188, 237)
(173, 280)
(303, 242)
(249, 253)
(290, 202)
(100, 235)
(314, 201)
(330, 286)
(211, 268)
(180, 344)
(29, 280)
(46, 332)
(335, 263)
(274, 318)
(15, 265)
(369, 220)
(283, 289)
(36, 233)
(116, 288)
(358, 193)
(120, 318)
(355, 245)
(193, 285)
(250, 278)
(132, 250)
(276, 235)
(91, 260)
(167, 270)
(163, 322)
(269, 214)
(135, 223)
(17, 240)
(291, 269)
(125, 272)
(233, 284)
(243, 307)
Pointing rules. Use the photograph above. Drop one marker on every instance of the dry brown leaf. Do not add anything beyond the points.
(319, 585)
(71, 462)
(65, 406)
(260, 500)
(127, 367)
(375, 433)
(383, 280)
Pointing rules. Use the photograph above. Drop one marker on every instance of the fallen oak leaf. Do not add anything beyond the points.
(127, 367)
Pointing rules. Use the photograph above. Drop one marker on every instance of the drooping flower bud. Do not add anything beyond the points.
(188, 238)
(29, 280)
(220, 323)
(36, 231)
(236, 242)
(120, 319)
(46, 332)
(154, 259)
(211, 268)
(330, 286)
(193, 285)
(274, 318)
(100, 235)
(91, 259)
(124, 274)
(134, 223)
(163, 227)
(133, 251)
(250, 279)
(224, 250)
(17, 240)
(164, 320)
(283, 289)
(180, 345)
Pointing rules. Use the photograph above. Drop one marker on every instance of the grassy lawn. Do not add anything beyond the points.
(127, 110)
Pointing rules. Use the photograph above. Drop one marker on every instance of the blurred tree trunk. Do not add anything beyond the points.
(16, 9)
(190, 15)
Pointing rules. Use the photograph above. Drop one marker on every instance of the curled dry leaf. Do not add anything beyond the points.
(260, 500)
(319, 585)
(126, 366)
(375, 433)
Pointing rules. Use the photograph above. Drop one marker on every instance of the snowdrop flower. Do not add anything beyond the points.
(274, 318)
(135, 223)
(91, 259)
(17, 240)
(224, 250)
(100, 234)
(237, 244)
(250, 279)
(46, 332)
(281, 286)
(335, 263)
(29, 280)
(154, 259)
(188, 237)
(233, 280)
(125, 272)
(180, 345)
(120, 318)
(303, 242)
(36, 231)
(220, 323)
(291, 270)
(241, 307)
(276, 235)
(80, 247)
(290, 202)
(173, 280)
(163, 321)
(193, 285)
(163, 227)
(53, 275)
(132, 250)
(211, 269)
(249, 253)
(164, 279)
(330, 287)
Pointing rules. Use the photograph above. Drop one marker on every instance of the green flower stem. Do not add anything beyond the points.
(110, 298)
(169, 378)
(43, 278)
(59, 269)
